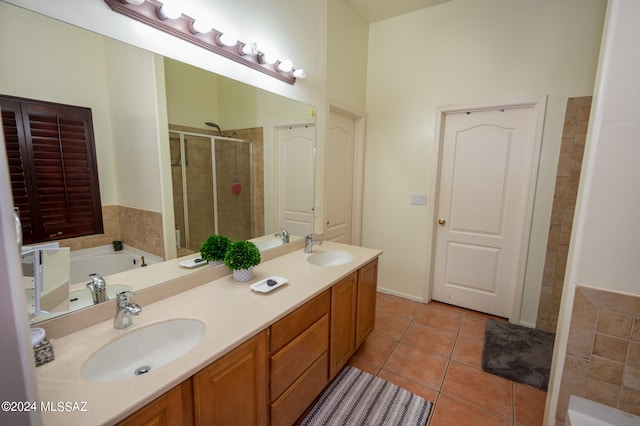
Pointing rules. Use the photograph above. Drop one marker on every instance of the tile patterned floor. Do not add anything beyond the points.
(434, 350)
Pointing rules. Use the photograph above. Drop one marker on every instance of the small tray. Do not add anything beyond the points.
(193, 263)
(262, 286)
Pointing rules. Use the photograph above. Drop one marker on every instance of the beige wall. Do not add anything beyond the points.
(192, 95)
(458, 53)
(135, 120)
(195, 96)
(347, 41)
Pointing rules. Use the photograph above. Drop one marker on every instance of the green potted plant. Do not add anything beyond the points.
(241, 257)
(214, 248)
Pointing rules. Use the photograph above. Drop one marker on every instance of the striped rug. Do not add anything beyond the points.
(358, 398)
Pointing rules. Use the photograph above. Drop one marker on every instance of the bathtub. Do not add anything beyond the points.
(105, 261)
(583, 412)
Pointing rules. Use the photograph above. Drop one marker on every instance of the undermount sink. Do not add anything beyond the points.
(267, 244)
(143, 350)
(330, 258)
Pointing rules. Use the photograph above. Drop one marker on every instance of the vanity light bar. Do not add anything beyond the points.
(149, 12)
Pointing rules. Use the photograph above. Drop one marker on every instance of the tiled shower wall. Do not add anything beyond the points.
(602, 362)
(141, 229)
(564, 202)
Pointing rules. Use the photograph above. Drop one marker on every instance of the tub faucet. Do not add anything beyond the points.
(310, 242)
(125, 310)
(98, 289)
(284, 235)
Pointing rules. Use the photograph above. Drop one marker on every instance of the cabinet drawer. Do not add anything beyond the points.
(290, 362)
(295, 401)
(289, 327)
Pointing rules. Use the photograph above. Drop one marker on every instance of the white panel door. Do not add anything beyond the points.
(339, 151)
(482, 211)
(296, 153)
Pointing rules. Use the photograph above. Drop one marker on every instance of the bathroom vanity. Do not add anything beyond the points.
(263, 358)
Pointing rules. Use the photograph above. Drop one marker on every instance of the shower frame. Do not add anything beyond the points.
(183, 170)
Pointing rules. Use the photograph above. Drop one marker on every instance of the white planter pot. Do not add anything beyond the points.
(215, 262)
(243, 274)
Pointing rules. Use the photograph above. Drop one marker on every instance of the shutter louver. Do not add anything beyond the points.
(18, 170)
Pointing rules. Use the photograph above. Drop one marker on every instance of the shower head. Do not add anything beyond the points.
(210, 124)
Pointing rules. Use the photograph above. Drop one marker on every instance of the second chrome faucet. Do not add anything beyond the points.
(125, 310)
(283, 235)
(309, 242)
(98, 289)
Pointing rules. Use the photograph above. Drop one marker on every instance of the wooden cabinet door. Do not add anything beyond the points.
(174, 408)
(343, 323)
(233, 389)
(366, 301)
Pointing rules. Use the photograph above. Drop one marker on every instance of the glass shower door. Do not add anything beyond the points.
(212, 188)
(191, 161)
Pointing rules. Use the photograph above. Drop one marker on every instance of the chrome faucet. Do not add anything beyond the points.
(125, 310)
(98, 289)
(310, 242)
(284, 235)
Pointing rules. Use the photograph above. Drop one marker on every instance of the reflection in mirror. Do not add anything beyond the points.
(217, 186)
(45, 279)
(135, 96)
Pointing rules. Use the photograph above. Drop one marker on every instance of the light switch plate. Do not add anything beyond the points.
(419, 199)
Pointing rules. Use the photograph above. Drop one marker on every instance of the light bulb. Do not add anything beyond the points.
(267, 58)
(300, 73)
(170, 10)
(135, 2)
(228, 39)
(284, 65)
(250, 49)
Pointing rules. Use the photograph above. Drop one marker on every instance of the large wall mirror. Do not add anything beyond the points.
(156, 153)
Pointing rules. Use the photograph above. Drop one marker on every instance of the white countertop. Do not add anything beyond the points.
(231, 311)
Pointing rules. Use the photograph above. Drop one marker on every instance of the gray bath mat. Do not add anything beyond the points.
(358, 398)
(518, 353)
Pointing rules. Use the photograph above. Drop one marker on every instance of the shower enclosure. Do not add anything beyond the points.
(212, 187)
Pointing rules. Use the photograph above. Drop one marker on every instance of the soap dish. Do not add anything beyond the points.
(263, 286)
(192, 263)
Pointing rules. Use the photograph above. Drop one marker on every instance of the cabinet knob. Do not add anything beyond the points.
(442, 221)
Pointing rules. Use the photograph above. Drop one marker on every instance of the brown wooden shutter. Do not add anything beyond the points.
(18, 166)
(60, 169)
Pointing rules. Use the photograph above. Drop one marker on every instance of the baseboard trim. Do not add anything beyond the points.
(400, 294)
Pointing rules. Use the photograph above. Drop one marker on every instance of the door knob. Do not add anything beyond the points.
(442, 221)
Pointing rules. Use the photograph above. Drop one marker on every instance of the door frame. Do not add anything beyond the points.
(358, 170)
(538, 104)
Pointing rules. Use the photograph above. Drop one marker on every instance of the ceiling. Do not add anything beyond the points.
(378, 10)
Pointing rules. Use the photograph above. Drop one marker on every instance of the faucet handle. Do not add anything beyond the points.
(96, 278)
(98, 282)
(308, 237)
(122, 298)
